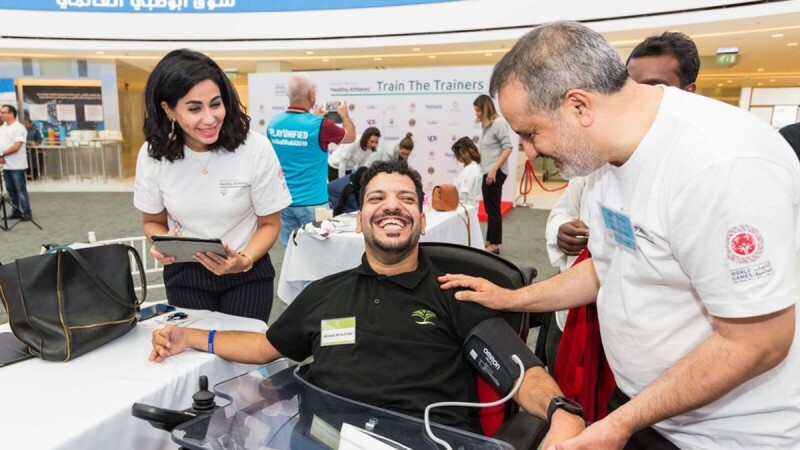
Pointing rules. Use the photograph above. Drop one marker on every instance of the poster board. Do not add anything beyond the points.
(435, 104)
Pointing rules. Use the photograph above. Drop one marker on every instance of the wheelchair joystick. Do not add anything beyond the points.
(203, 399)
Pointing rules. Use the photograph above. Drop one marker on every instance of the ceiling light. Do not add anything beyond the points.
(720, 85)
(760, 69)
(777, 35)
(488, 54)
(100, 53)
(377, 58)
(416, 49)
(325, 59)
(772, 81)
(431, 56)
(791, 44)
(730, 81)
(309, 52)
(760, 84)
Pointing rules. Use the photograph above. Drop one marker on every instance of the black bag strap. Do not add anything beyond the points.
(100, 283)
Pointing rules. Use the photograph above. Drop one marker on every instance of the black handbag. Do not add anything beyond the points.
(67, 303)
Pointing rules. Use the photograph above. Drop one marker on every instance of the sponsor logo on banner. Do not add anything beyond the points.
(371, 122)
(390, 138)
(412, 107)
(278, 107)
(371, 107)
(280, 90)
(431, 155)
(431, 170)
(432, 122)
(433, 138)
(452, 171)
(351, 107)
(745, 248)
(453, 138)
(412, 122)
(454, 123)
(433, 106)
(454, 107)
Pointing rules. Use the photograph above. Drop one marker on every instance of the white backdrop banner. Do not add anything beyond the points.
(435, 104)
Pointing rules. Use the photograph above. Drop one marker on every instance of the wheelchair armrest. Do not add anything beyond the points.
(523, 431)
(530, 274)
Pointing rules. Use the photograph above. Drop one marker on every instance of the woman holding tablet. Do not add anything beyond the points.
(202, 173)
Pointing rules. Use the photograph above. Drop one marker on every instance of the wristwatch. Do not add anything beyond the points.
(564, 403)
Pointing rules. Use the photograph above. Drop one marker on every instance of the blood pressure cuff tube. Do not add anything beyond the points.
(489, 347)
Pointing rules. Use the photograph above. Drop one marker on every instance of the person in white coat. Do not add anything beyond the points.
(470, 179)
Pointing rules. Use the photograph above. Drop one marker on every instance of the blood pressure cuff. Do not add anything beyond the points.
(489, 347)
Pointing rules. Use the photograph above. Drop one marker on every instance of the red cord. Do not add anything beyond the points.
(527, 174)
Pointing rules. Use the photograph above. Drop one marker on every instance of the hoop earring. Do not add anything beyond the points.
(172, 136)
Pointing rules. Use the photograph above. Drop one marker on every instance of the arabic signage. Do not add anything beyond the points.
(200, 6)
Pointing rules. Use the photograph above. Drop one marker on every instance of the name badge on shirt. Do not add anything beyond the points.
(341, 331)
(619, 228)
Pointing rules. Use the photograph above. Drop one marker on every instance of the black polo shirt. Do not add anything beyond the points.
(407, 352)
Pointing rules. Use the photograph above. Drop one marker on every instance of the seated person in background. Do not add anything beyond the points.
(407, 349)
(470, 179)
(348, 157)
(343, 192)
(401, 151)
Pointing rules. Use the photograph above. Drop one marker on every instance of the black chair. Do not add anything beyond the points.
(520, 429)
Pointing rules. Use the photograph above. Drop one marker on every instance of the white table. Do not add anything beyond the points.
(86, 403)
(312, 259)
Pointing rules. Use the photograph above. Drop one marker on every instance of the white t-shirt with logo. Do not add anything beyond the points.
(223, 203)
(351, 155)
(469, 183)
(713, 195)
(9, 135)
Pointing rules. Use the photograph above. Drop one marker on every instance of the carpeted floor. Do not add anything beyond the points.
(68, 217)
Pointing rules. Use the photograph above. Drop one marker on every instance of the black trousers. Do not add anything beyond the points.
(492, 195)
(248, 294)
(647, 439)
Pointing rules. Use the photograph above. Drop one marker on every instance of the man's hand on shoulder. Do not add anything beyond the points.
(480, 291)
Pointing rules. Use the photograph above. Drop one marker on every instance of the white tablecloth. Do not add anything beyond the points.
(86, 403)
(312, 259)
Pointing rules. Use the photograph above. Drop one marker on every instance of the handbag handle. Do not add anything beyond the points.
(466, 222)
(99, 282)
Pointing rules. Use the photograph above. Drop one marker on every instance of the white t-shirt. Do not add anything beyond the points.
(221, 204)
(352, 155)
(713, 195)
(10, 134)
(469, 184)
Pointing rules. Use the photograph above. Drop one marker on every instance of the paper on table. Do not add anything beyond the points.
(66, 113)
(38, 112)
(175, 318)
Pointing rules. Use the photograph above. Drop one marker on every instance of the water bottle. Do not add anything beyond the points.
(92, 238)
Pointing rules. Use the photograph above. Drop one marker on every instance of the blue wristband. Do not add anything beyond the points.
(211, 341)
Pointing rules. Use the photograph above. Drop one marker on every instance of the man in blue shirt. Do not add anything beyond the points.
(301, 141)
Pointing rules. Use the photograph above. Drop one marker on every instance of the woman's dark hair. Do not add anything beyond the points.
(173, 77)
(399, 167)
(406, 142)
(466, 147)
(368, 133)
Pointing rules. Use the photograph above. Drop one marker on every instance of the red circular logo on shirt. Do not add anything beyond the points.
(744, 244)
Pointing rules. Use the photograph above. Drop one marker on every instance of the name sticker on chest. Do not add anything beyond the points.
(619, 228)
(341, 331)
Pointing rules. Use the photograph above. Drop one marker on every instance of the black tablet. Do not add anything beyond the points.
(183, 248)
(12, 350)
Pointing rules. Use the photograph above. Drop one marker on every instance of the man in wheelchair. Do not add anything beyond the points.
(385, 334)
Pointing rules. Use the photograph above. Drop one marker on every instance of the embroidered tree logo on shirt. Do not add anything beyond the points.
(424, 316)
